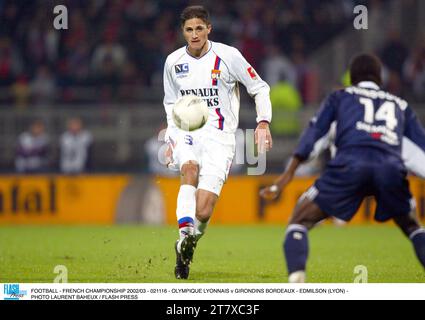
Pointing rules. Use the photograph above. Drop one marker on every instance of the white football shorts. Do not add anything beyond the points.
(212, 149)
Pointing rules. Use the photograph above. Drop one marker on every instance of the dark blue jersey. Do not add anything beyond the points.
(365, 117)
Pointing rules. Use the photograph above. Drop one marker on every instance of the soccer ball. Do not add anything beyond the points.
(190, 113)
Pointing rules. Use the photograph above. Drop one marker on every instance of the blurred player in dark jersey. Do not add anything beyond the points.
(370, 127)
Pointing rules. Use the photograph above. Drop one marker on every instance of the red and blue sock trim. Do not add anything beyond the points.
(186, 222)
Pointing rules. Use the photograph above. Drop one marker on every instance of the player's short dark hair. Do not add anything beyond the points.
(194, 12)
(365, 67)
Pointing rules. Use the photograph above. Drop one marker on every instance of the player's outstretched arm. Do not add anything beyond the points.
(273, 191)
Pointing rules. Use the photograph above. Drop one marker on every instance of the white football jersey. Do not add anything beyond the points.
(214, 77)
(75, 151)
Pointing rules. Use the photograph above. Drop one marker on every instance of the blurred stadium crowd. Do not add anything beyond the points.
(114, 50)
(119, 46)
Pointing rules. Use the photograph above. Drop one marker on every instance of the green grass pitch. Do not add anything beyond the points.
(226, 254)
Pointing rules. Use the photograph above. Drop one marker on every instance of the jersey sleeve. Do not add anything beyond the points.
(318, 128)
(413, 157)
(244, 73)
(324, 143)
(170, 97)
(413, 129)
(413, 146)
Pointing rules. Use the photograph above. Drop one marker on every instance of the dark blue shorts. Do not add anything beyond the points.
(347, 180)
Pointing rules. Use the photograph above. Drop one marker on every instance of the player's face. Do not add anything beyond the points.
(74, 125)
(195, 32)
(37, 129)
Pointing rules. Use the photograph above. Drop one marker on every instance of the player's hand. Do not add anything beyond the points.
(273, 191)
(169, 153)
(270, 193)
(263, 137)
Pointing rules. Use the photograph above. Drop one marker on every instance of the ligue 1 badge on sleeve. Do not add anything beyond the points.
(252, 73)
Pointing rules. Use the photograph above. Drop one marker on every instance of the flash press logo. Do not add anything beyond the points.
(13, 292)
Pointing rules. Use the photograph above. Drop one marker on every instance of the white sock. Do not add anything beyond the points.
(186, 210)
(297, 277)
(200, 228)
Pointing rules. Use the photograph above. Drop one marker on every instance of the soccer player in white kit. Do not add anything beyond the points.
(212, 71)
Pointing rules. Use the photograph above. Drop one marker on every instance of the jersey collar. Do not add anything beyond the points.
(197, 58)
(368, 85)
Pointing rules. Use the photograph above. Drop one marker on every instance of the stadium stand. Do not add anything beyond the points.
(107, 67)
